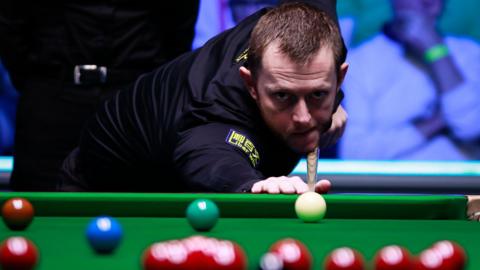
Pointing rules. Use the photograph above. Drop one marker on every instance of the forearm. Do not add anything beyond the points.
(458, 92)
(431, 126)
(444, 73)
(210, 158)
(461, 110)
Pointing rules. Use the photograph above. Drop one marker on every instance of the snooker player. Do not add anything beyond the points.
(235, 115)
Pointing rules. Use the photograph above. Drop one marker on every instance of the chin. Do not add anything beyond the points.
(303, 144)
(302, 147)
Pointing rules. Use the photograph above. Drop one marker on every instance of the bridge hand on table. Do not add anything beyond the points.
(288, 185)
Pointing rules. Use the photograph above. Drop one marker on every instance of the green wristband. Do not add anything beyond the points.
(435, 53)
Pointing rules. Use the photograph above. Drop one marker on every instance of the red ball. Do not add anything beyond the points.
(393, 258)
(229, 255)
(294, 254)
(18, 253)
(17, 213)
(344, 258)
(214, 254)
(453, 255)
(163, 255)
(430, 259)
(200, 252)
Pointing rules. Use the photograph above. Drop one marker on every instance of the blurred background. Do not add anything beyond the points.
(361, 22)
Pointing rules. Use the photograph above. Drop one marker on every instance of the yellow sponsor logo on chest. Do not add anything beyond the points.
(246, 145)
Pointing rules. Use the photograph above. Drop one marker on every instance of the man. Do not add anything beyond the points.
(413, 92)
(65, 57)
(224, 118)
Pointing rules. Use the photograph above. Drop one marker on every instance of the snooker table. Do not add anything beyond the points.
(254, 221)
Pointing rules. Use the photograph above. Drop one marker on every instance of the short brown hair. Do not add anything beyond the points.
(301, 31)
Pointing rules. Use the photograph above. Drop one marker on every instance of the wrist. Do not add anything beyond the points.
(435, 53)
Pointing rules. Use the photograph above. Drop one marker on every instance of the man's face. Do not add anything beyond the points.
(296, 101)
(405, 8)
(406, 5)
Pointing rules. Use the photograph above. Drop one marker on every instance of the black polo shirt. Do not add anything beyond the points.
(190, 125)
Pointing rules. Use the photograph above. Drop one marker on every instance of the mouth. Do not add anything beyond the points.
(304, 133)
(305, 136)
(304, 141)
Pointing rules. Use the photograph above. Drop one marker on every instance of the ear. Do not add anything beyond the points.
(246, 75)
(341, 74)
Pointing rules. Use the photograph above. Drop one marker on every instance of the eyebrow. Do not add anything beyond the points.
(290, 90)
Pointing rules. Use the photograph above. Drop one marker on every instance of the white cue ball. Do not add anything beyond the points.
(310, 207)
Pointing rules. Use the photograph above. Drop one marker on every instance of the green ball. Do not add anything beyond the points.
(202, 214)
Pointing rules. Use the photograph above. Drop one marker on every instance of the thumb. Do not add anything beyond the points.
(323, 186)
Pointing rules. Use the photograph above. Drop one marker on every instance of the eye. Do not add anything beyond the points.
(281, 96)
(319, 94)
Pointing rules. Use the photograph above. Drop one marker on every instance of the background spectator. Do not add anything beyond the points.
(65, 57)
(413, 92)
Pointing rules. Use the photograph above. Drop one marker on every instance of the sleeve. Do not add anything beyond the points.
(460, 106)
(14, 44)
(117, 143)
(218, 158)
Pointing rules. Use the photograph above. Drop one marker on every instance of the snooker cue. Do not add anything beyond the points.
(312, 162)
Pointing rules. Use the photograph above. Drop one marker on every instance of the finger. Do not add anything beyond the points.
(475, 216)
(272, 187)
(299, 184)
(296, 179)
(257, 187)
(342, 129)
(332, 135)
(343, 125)
(333, 138)
(338, 125)
(301, 188)
(323, 186)
(287, 187)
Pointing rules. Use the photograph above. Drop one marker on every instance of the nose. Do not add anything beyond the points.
(301, 114)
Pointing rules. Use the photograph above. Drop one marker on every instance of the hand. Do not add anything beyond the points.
(288, 185)
(331, 136)
(473, 207)
(432, 125)
(415, 31)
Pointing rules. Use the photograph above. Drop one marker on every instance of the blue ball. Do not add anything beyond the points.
(104, 234)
